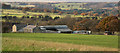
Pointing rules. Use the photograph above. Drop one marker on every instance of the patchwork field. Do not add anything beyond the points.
(58, 42)
(19, 14)
(69, 6)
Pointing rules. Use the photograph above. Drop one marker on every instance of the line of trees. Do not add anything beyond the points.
(110, 23)
(43, 18)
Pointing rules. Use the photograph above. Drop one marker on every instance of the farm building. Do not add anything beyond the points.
(82, 32)
(18, 27)
(31, 29)
(56, 29)
(25, 28)
(41, 29)
(108, 33)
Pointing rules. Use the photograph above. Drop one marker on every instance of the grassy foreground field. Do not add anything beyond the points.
(58, 42)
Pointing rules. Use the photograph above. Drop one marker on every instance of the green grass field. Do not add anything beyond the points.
(58, 42)
(64, 6)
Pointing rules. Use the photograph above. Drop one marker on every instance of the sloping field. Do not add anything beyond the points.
(58, 42)
(69, 6)
(19, 14)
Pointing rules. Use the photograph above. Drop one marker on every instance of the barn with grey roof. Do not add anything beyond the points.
(41, 29)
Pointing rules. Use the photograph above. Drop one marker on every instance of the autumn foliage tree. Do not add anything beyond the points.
(90, 13)
(86, 24)
(60, 12)
(118, 15)
(96, 14)
(83, 14)
(20, 8)
(34, 10)
(25, 9)
(114, 25)
(75, 13)
(110, 23)
(57, 11)
(53, 11)
(104, 15)
(80, 25)
(45, 10)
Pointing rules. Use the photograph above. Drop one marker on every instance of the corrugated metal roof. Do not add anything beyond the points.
(56, 26)
(64, 30)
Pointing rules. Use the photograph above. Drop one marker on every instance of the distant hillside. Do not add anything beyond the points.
(41, 5)
(87, 5)
(69, 5)
(101, 5)
(5, 6)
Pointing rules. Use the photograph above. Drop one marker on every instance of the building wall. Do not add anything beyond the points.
(32, 30)
(14, 28)
(28, 30)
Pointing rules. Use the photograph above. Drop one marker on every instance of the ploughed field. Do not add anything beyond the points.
(58, 42)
